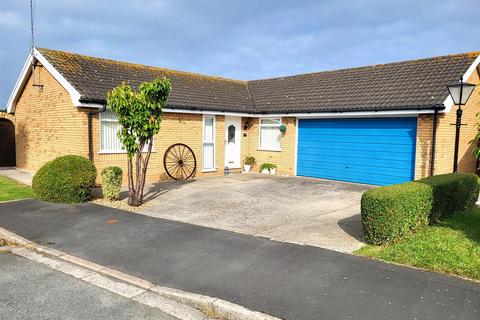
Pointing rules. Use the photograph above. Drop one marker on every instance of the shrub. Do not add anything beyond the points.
(67, 179)
(267, 166)
(452, 193)
(249, 161)
(389, 212)
(111, 182)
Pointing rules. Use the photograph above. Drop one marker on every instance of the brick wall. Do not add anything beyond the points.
(175, 128)
(446, 138)
(4, 115)
(284, 160)
(47, 123)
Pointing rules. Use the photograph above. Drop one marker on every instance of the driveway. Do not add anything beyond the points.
(293, 209)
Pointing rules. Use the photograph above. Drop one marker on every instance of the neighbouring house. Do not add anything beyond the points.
(370, 125)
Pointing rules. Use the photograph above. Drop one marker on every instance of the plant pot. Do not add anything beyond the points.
(267, 171)
(247, 167)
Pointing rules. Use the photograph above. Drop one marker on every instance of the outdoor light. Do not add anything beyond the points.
(460, 92)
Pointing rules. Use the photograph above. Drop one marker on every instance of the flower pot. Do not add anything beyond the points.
(267, 171)
(247, 167)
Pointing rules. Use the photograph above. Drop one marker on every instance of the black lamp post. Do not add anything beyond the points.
(460, 92)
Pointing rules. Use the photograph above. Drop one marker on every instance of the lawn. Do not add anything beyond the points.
(12, 190)
(451, 246)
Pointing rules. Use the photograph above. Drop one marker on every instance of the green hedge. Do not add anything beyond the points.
(111, 182)
(452, 193)
(389, 212)
(392, 211)
(67, 179)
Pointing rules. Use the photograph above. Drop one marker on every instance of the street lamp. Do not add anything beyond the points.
(460, 92)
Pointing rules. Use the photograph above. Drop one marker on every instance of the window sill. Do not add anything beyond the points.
(117, 152)
(209, 170)
(272, 150)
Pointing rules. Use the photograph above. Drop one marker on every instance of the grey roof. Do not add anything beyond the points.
(409, 85)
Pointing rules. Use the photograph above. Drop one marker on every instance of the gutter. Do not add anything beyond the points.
(89, 129)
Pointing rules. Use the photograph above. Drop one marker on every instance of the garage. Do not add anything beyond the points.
(377, 151)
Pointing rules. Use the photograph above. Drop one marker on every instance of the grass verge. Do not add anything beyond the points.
(451, 246)
(12, 190)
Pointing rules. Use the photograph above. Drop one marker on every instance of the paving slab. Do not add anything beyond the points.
(17, 174)
(285, 280)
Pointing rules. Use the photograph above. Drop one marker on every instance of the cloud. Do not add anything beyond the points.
(245, 39)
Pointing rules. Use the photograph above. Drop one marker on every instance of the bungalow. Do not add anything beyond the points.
(372, 125)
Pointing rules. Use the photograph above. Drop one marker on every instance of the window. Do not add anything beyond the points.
(231, 134)
(109, 128)
(208, 143)
(270, 134)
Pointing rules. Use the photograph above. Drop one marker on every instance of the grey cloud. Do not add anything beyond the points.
(240, 39)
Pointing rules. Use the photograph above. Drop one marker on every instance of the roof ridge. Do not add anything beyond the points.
(143, 65)
(473, 54)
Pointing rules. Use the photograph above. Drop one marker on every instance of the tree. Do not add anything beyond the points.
(140, 114)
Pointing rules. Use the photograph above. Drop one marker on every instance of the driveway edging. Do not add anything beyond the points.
(147, 293)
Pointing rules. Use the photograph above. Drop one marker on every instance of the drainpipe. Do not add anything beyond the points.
(434, 138)
(89, 129)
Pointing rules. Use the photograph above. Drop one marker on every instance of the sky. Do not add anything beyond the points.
(244, 39)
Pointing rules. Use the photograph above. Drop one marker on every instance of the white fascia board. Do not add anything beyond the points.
(74, 94)
(27, 70)
(19, 84)
(360, 114)
(448, 103)
(225, 113)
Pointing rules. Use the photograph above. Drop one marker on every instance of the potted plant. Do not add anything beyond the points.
(248, 163)
(268, 168)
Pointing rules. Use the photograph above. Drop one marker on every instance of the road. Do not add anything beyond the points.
(282, 279)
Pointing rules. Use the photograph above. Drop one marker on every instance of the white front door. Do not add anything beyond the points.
(232, 141)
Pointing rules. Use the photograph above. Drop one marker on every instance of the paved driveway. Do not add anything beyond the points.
(293, 209)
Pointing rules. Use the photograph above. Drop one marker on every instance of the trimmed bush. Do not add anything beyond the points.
(111, 182)
(452, 193)
(389, 212)
(67, 179)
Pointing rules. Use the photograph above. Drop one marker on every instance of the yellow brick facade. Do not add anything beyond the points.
(47, 125)
(446, 138)
(250, 146)
(175, 128)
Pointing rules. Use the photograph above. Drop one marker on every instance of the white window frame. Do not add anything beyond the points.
(260, 126)
(209, 142)
(101, 151)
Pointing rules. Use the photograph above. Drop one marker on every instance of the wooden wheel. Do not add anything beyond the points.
(179, 162)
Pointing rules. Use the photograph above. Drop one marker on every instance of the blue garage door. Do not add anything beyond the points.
(378, 151)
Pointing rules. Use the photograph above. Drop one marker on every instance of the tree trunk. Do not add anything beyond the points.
(144, 170)
(132, 195)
